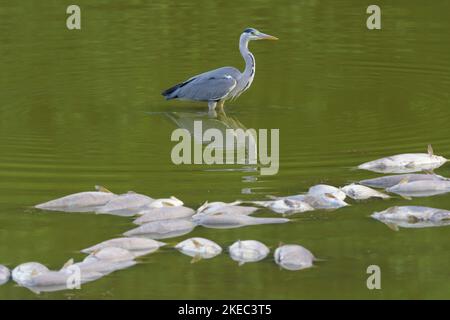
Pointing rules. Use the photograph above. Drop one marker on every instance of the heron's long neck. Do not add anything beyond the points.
(250, 63)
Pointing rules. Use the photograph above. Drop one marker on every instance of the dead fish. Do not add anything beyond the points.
(322, 189)
(248, 251)
(111, 254)
(199, 248)
(412, 215)
(163, 229)
(420, 188)
(4, 274)
(359, 192)
(226, 221)
(405, 163)
(326, 201)
(165, 213)
(128, 204)
(161, 203)
(229, 209)
(137, 246)
(214, 207)
(103, 267)
(79, 202)
(293, 257)
(23, 273)
(390, 181)
(285, 206)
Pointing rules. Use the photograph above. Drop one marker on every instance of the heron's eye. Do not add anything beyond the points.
(253, 33)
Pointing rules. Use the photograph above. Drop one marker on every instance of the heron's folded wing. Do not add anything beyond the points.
(208, 87)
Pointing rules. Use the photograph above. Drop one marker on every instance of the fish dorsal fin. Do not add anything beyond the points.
(241, 263)
(102, 189)
(429, 171)
(196, 259)
(330, 195)
(67, 264)
(391, 210)
(203, 206)
(131, 192)
(430, 150)
(392, 226)
(196, 243)
(404, 180)
(280, 244)
(34, 273)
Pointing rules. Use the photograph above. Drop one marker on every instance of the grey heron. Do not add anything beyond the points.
(221, 84)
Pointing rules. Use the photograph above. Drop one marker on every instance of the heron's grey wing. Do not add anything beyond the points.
(207, 87)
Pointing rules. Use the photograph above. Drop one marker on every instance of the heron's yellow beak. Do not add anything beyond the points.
(264, 36)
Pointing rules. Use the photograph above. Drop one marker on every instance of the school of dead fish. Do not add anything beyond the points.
(167, 218)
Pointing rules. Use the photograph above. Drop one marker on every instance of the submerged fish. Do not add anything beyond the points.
(199, 248)
(106, 260)
(4, 274)
(128, 204)
(227, 221)
(390, 181)
(419, 188)
(165, 213)
(412, 214)
(293, 257)
(359, 192)
(137, 246)
(285, 206)
(322, 189)
(161, 203)
(163, 229)
(248, 251)
(79, 202)
(405, 163)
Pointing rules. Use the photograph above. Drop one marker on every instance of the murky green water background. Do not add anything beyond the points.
(79, 108)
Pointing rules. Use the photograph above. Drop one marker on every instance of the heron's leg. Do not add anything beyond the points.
(212, 105)
(221, 103)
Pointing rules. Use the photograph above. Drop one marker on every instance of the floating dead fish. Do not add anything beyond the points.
(163, 229)
(214, 207)
(4, 274)
(405, 163)
(227, 221)
(161, 203)
(390, 181)
(111, 254)
(293, 257)
(413, 217)
(23, 274)
(79, 202)
(325, 201)
(137, 246)
(229, 209)
(420, 188)
(103, 267)
(248, 251)
(322, 189)
(285, 206)
(199, 248)
(128, 204)
(165, 213)
(359, 192)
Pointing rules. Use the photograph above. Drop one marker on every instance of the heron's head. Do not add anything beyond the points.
(253, 34)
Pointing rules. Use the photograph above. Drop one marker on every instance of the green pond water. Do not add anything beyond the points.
(83, 107)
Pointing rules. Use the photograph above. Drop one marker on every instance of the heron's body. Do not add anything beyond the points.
(219, 85)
